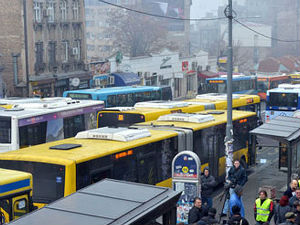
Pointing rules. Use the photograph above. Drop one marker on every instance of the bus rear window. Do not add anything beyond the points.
(48, 179)
(79, 96)
(283, 99)
(119, 120)
(5, 130)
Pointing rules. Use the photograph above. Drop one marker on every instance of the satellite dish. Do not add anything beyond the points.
(75, 82)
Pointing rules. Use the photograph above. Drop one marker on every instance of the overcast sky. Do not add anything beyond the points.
(199, 8)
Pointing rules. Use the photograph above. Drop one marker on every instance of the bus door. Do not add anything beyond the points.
(213, 155)
(185, 139)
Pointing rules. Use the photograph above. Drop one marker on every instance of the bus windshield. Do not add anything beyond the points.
(262, 86)
(48, 182)
(5, 130)
(283, 99)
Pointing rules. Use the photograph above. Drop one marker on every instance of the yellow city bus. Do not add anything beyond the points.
(15, 194)
(145, 111)
(148, 111)
(207, 139)
(239, 101)
(140, 155)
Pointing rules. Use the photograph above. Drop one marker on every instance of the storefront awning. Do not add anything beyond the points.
(126, 79)
(207, 74)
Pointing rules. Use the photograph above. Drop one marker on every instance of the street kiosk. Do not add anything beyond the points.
(186, 178)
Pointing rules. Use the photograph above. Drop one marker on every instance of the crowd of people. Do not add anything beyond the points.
(284, 212)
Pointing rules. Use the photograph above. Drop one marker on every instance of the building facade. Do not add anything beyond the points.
(99, 41)
(44, 47)
(165, 68)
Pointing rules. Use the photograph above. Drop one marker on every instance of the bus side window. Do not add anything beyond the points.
(111, 101)
(32, 134)
(72, 125)
(240, 135)
(130, 99)
(146, 162)
(121, 100)
(125, 168)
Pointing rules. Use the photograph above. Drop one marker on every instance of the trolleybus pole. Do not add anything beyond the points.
(229, 127)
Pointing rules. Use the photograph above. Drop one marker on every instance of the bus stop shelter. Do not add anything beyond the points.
(109, 202)
(286, 130)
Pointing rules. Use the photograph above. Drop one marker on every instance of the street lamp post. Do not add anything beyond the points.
(229, 127)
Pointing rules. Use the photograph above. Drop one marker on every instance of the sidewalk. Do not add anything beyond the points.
(266, 174)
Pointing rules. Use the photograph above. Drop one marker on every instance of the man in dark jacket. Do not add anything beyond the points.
(208, 182)
(197, 212)
(236, 176)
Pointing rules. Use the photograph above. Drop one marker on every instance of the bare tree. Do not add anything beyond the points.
(137, 34)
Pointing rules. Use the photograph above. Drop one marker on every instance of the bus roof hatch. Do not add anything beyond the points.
(186, 117)
(114, 134)
(161, 104)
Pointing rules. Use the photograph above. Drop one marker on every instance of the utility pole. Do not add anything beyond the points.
(229, 127)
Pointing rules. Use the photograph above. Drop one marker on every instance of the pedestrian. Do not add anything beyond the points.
(295, 197)
(290, 219)
(236, 176)
(297, 211)
(208, 182)
(281, 209)
(197, 211)
(236, 218)
(236, 199)
(210, 218)
(263, 208)
(290, 192)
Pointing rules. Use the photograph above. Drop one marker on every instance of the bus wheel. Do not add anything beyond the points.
(243, 162)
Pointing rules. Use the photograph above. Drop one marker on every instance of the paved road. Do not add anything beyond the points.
(265, 173)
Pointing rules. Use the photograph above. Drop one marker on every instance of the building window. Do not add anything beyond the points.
(77, 50)
(52, 54)
(39, 52)
(37, 7)
(75, 9)
(63, 10)
(65, 51)
(51, 11)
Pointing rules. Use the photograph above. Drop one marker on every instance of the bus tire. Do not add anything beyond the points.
(243, 162)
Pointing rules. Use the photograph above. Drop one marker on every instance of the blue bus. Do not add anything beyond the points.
(282, 101)
(122, 96)
(241, 84)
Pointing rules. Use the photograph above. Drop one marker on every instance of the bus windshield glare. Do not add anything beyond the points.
(283, 99)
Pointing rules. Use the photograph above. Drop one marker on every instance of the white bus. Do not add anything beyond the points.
(35, 121)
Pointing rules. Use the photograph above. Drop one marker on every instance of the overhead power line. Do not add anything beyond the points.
(263, 35)
(160, 16)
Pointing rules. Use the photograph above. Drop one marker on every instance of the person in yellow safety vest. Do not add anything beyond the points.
(263, 208)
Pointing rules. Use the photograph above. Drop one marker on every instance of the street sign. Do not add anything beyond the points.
(186, 178)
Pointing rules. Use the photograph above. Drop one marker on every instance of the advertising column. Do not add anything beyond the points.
(186, 178)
